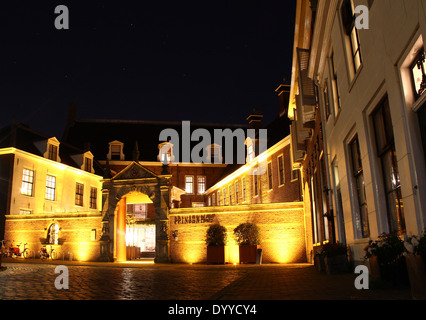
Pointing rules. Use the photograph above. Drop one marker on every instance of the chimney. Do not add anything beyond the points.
(255, 119)
(283, 92)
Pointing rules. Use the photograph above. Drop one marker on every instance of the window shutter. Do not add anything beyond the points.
(306, 85)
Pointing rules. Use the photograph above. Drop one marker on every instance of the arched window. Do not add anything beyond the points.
(53, 234)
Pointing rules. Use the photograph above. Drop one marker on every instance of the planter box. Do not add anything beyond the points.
(319, 263)
(417, 275)
(336, 264)
(216, 254)
(248, 253)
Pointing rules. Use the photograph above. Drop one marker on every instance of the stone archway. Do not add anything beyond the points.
(134, 178)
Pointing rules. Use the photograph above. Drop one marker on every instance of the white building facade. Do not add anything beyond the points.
(367, 65)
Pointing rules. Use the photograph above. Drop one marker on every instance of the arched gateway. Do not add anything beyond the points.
(134, 179)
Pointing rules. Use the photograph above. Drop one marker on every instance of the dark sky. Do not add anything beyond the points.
(202, 61)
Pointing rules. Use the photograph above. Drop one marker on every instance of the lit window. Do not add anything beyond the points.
(348, 19)
(230, 196)
(201, 184)
(139, 210)
(387, 154)
(419, 73)
(189, 184)
(218, 197)
(224, 196)
(50, 188)
(27, 182)
(79, 192)
(214, 199)
(24, 212)
(93, 197)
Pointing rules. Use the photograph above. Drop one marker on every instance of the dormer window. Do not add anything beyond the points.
(214, 153)
(165, 154)
(116, 150)
(52, 152)
(250, 143)
(88, 162)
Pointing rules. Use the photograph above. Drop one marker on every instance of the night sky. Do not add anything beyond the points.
(202, 61)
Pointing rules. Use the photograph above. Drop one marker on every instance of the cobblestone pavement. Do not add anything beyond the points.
(95, 281)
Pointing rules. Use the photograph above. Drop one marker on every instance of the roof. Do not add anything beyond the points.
(99, 133)
(22, 137)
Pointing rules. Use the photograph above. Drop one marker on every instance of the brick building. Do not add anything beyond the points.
(119, 187)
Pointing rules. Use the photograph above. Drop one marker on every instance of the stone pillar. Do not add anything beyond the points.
(120, 232)
(162, 251)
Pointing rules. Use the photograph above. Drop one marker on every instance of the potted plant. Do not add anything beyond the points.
(216, 240)
(248, 239)
(415, 255)
(335, 258)
(388, 249)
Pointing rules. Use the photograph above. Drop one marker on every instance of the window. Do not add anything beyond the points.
(230, 196)
(79, 191)
(387, 155)
(93, 198)
(116, 150)
(50, 188)
(52, 153)
(250, 153)
(214, 199)
(218, 197)
(209, 201)
(224, 196)
(201, 184)
(166, 152)
(243, 182)
(269, 175)
(335, 87)
(418, 71)
(214, 153)
(27, 182)
(361, 216)
(24, 211)
(189, 184)
(326, 100)
(352, 39)
(53, 234)
(87, 164)
(237, 192)
(255, 183)
(280, 170)
(138, 210)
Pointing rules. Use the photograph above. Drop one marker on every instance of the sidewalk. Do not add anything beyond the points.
(255, 282)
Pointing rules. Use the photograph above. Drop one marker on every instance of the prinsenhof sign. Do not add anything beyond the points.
(194, 219)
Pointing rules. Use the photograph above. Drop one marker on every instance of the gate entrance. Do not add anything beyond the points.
(136, 215)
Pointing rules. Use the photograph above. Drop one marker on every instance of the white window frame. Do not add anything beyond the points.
(189, 183)
(50, 193)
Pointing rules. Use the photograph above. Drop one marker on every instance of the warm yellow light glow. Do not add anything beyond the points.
(138, 262)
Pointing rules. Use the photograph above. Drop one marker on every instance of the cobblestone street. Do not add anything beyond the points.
(36, 281)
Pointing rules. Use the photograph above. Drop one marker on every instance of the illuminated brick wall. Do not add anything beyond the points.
(78, 233)
(282, 231)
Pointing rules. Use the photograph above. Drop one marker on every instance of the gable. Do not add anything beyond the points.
(134, 171)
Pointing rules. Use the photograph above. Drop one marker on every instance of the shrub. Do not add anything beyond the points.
(247, 234)
(216, 235)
